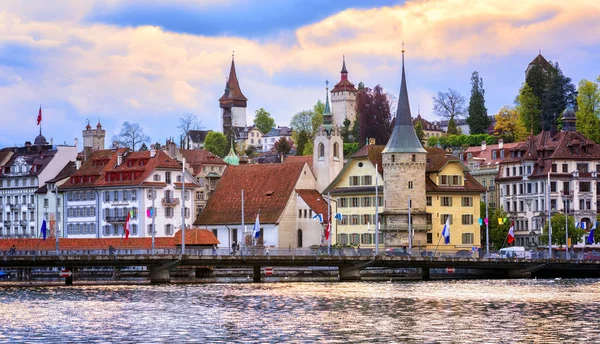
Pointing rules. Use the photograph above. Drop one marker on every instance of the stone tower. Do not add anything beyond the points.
(93, 138)
(404, 161)
(233, 104)
(328, 149)
(343, 99)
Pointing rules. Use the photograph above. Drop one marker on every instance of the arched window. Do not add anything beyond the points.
(414, 158)
(336, 149)
(393, 158)
(299, 238)
(321, 150)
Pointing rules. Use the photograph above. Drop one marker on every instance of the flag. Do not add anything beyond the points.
(446, 232)
(583, 225)
(577, 225)
(338, 216)
(486, 220)
(44, 229)
(150, 212)
(504, 220)
(590, 238)
(39, 117)
(127, 225)
(327, 230)
(499, 220)
(511, 233)
(318, 217)
(481, 222)
(256, 230)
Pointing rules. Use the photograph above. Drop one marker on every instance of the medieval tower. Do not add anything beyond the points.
(233, 104)
(328, 149)
(343, 99)
(93, 138)
(404, 163)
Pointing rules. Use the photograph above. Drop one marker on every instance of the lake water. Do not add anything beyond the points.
(459, 311)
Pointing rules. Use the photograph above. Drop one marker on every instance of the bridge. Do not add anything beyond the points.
(162, 262)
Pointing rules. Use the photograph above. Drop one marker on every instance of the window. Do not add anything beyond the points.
(168, 177)
(565, 168)
(584, 186)
(354, 220)
(445, 217)
(366, 238)
(367, 180)
(494, 154)
(151, 195)
(151, 229)
(336, 148)
(428, 198)
(467, 219)
(552, 186)
(116, 196)
(321, 151)
(343, 202)
(366, 201)
(582, 167)
(467, 238)
(168, 229)
(430, 238)
(393, 158)
(467, 201)
(299, 213)
(305, 213)
(45, 203)
(414, 158)
(134, 229)
(354, 180)
(354, 202)
(299, 236)
(446, 201)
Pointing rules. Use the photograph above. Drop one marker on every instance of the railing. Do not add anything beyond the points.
(23, 223)
(31, 206)
(170, 201)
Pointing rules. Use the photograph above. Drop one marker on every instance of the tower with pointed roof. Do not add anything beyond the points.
(404, 163)
(233, 105)
(343, 98)
(93, 138)
(328, 152)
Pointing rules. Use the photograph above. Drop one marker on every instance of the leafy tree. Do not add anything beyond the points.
(283, 145)
(558, 231)
(187, 122)
(347, 134)
(375, 118)
(216, 143)
(131, 136)
(588, 109)
(452, 128)
(303, 138)
(558, 94)
(509, 126)
(528, 106)
(308, 148)
(250, 150)
(419, 131)
(263, 121)
(449, 104)
(303, 122)
(350, 148)
(477, 120)
(317, 119)
(432, 141)
(143, 147)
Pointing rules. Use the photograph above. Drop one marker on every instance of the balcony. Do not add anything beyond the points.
(170, 201)
(31, 206)
(23, 223)
(7, 223)
(12, 206)
(567, 193)
(116, 219)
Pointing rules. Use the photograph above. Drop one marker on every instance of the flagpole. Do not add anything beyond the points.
(567, 227)
(409, 230)
(329, 222)
(243, 225)
(376, 211)
(183, 207)
(56, 215)
(153, 215)
(487, 226)
(549, 219)
(438, 244)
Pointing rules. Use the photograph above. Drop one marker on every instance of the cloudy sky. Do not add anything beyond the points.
(153, 61)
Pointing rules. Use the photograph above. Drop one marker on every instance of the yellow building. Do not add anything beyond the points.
(452, 192)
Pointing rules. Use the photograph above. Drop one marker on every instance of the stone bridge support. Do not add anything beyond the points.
(425, 274)
(349, 273)
(256, 273)
(160, 275)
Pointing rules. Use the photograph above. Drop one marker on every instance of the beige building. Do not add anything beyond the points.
(207, 168)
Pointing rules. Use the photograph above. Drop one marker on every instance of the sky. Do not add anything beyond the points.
(151, 62)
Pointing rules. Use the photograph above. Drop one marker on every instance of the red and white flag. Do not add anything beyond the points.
(511, 233)
(127, 225)
(39, 118)
(327, 230)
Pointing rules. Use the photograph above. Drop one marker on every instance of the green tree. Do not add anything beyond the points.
(131, 136)
(317, 119)
(419, 131)
(264, 121)
(303, 122)
(588, 109)
(449, 104)
(558, 231)
(559, 92)
(216, 143)
(477, 120)
(432, 141)
(250, 151)
(528, 106)
(308, 148)
(143, 147)
(283, 145)
(509, 127)
(452, 128)
(303, 138)
(350, 148)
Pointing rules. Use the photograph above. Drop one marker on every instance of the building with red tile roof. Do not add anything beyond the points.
(270, 192)
(343, 99)
(207, 168)
(233, 104)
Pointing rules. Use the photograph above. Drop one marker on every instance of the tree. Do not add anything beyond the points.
(452, 128)
(559, 93)
(303, 122)
(373, 108)
(250, 151)
(303, 138)
(528, 106)
(308, 148)
(449, 104)
(263, 121)
(216, 143)
(317, 119)
(559, 233)
(283, 145)
(143, 147)
(509, 126)
(131, 136)
(419, 131)
(187, 122)
(477, 120)
(588, 109)
(350, 148)
(432, 141)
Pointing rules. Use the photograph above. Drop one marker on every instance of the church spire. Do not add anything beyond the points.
(344, 71)
(233, 92)
(404, 138)
(327, 117)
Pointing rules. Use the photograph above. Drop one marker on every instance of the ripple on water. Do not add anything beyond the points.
(542, 311)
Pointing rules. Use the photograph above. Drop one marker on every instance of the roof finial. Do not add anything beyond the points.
(402, 54)
(232, 55)
(540, 51)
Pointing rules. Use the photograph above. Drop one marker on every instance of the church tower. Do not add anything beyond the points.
(328, 149)
(343, 99)
(93, 138)
(404, 163)
(233, 104)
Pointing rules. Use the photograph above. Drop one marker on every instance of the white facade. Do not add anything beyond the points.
(238, 117)
(343, 105)
(328, 156)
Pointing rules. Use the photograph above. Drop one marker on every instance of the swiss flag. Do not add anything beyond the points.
(327, 230)
(511, 233)
(39, 119)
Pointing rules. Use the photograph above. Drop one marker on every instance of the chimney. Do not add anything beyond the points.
(500, 143)
(483, 145)
(76, 142)
(371, 141)
(51, 142)
(77, 164)
(152, 151)
(119, 159)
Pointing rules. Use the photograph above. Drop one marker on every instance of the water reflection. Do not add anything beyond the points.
(544, 311)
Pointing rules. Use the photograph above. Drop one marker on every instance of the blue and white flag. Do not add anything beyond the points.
(44, 229)
(583, 225)
(338, 216)
(256, 230)
(318, 217)
(446, 231)
(590, 238)
(594, 226)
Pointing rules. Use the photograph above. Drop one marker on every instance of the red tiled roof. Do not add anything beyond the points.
(470, 185)
(233, 94)
(92, 167)
(196, 236)
(267, 187)
(295, 159)
(373, 153)
(197, 158)
(485, 157)
(344, 85)
(315, 200)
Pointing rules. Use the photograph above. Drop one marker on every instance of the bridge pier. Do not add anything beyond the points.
(349, 273)
(159, 275)
(256, 273)
(69, 280)
(425, 274)
(116, 273)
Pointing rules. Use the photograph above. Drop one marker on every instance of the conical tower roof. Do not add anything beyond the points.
(232, 158)
(233, 92)
(404, 138)
(327, 116)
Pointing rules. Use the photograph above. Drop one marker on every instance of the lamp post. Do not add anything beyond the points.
(376, 211)
(549, 218)
(487, 226)
(567, 226)
(56, 216)
(183, 207)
